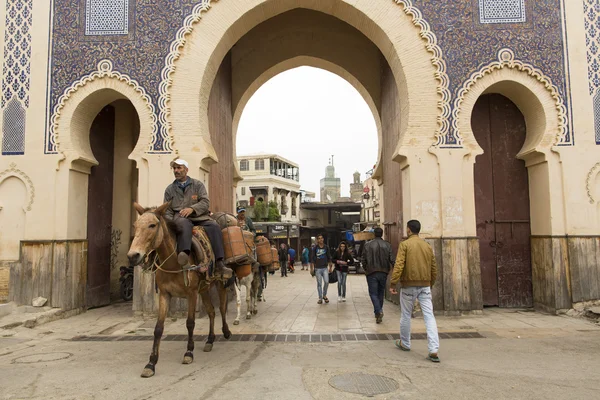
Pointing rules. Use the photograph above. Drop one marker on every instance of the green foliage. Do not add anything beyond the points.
(260, 211)
(273, 212)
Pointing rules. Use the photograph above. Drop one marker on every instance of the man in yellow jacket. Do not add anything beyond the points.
(416, 270)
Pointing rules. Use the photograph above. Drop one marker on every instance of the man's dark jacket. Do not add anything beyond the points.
(377, 256)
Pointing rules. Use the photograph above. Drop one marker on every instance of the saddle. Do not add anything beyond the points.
(202, 252)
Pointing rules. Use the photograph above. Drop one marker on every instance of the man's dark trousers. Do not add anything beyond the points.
(212, 229)
(376, 282)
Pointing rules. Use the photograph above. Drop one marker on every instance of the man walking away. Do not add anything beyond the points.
(319, 267)
(283, 259)
(377, 260)
(292, 254)
(416, 270)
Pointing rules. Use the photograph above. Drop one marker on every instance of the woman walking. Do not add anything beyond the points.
(305, 258)
(342, 259)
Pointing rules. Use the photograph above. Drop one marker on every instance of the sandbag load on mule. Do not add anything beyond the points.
(263, 251)
(242, 271)
(274, 266)
(224, 219)
(235, 246)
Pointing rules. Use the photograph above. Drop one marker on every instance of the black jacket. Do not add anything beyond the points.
(342, 257)
(377, 256)
(283, 255)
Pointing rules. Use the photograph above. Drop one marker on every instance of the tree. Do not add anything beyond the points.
(273, 212)
(260, 211)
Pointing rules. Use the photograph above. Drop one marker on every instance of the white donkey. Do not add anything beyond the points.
(252, 283)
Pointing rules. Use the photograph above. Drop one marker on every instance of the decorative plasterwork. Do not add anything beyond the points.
(105, 70)
(588, 183)
(506, 59)
(442, 134)
(169, 69)
(17, 173)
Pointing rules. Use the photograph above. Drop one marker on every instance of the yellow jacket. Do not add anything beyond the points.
(415, 264)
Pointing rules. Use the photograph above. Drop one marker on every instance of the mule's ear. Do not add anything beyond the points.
(161, 210)
(138, 208)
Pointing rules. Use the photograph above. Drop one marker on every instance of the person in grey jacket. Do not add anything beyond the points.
(377, 259)
(189, 208)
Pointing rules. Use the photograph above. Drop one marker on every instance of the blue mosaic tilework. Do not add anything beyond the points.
(466, 43)
(16, 72)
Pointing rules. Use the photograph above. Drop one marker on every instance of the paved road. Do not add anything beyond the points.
(522, 355)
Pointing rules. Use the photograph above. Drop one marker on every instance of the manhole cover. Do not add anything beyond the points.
(41, 357)
(366, 384)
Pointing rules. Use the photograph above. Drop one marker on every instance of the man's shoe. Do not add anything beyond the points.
(320, 301)
(398, 344)
(183, 258)
(379, 318)
(222, 270)
(343, 299)
(433, 357)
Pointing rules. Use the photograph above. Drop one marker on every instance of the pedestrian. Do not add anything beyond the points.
(283, 259)
(292, 254)
(341, 260)
(305, 257)
(377, 260)
(320, 267)
(416, 270)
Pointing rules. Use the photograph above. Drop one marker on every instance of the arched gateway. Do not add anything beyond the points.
(157, 86)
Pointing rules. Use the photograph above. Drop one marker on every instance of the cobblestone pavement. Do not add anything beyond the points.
(499, 354)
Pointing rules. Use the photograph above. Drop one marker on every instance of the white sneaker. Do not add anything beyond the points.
(339, 299)
(343, 299)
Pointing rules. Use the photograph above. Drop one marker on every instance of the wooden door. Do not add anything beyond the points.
(100, 194)
(502, 204)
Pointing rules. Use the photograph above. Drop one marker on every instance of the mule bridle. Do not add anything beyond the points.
(153, 266)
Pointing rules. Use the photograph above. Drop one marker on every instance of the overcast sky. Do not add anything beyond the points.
(306, 115)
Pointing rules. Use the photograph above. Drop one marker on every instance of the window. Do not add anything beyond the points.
(293, 206)
(106, 17)
(501, 11)
(244, 165)
(243, 191)
(259, 165)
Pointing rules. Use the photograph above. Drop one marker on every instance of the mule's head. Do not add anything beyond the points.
(148, 233)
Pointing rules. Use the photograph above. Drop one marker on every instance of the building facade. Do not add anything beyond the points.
(488, 132)
(269, 178)
(370, 213)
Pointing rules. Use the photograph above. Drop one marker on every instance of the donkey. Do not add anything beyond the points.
(251, 282)
(155, 233)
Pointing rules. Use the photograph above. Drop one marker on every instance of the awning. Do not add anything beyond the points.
(260, 228)
(294, 231)
(278, 232)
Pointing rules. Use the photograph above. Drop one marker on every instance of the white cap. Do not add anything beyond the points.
(179, 161)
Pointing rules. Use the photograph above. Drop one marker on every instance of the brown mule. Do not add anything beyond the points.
(153, 233)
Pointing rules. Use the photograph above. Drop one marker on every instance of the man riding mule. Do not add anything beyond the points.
(156, 234)
(188, 207)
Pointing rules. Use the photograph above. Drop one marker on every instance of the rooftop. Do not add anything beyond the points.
(266, 155)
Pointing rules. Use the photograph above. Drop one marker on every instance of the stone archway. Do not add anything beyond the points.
(201, 46)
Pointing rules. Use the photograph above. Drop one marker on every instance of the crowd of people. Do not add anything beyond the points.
(414, 267)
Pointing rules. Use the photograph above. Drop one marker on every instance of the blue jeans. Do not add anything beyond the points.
(376, 283)
(408, 295)
(322, 275)
(341, 283)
